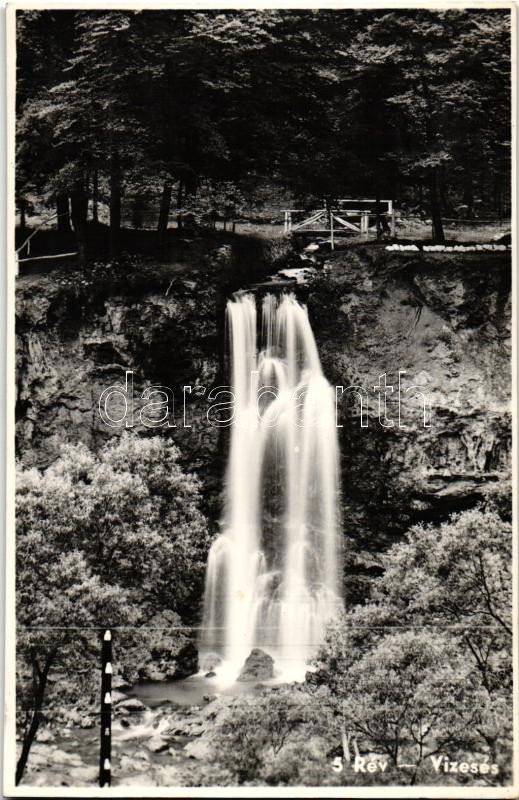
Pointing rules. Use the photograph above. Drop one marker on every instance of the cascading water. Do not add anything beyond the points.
(273, 575)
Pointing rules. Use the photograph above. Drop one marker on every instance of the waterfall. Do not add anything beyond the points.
(272, 576)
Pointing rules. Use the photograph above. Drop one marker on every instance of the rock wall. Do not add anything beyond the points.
(75, 341)
(442, 321)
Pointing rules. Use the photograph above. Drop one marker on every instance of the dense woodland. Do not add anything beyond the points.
(201, 108)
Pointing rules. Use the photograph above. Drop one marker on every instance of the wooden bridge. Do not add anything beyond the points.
(342, 218)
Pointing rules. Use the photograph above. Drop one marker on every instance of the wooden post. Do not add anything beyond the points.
(392, 214)
(364, 224)
(332, 243)
(105, 751)
(95, 197)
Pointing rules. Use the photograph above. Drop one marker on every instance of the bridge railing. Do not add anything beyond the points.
(345, 217)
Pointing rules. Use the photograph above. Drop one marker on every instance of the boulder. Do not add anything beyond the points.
(186, 727)
(84, 774)
(39, 757)
(60, 757)
(87, 722)
(167, 776)
(258, 666)
(127, 764)
(210, 674)
(141, 754)
(45, 735)
(186, 661)
(118, 682)
(200, 748)
(315, 678)
(131, 705)
(152, 673)
(157, 744)
(118, 696)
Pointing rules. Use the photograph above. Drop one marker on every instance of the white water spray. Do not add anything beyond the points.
(273, 575)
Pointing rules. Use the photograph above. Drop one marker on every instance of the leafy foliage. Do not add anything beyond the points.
(279, 737)
(103, 541)
(425, 667)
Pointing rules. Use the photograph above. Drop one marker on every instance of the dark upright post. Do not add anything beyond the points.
(105, 769)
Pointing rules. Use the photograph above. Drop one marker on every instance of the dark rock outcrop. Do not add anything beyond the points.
(258, 666)
(173, 655)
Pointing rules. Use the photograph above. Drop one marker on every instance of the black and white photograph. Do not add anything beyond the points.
(260, 400)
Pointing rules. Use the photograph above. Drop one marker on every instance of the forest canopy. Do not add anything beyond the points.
(410, 104)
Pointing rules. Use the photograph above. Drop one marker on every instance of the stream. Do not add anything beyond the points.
(156, 735)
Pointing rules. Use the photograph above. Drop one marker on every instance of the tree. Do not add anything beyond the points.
(278, 737)
(459, 575)
(43, 47)
(449, 78)
(409, 696)
(59, 602)
(410, 98)
(102, 541)
(426, 664)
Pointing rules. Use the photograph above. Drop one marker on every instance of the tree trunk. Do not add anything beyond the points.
(430, 132)
(95, 196)
(468, 193)
(115, 203)
(437, 225)
(444, 200)
(22, 205)
(179, 204)
(138, 212)
(165, 205)
(79, 212)
(498, 198)
(63, 211)
(345, 741)
(40, 683)
(377, 213)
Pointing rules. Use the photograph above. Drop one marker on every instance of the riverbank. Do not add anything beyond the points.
(165, 741)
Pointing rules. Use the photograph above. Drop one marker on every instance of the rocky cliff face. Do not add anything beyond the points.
(80, 334)
(442, 321)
